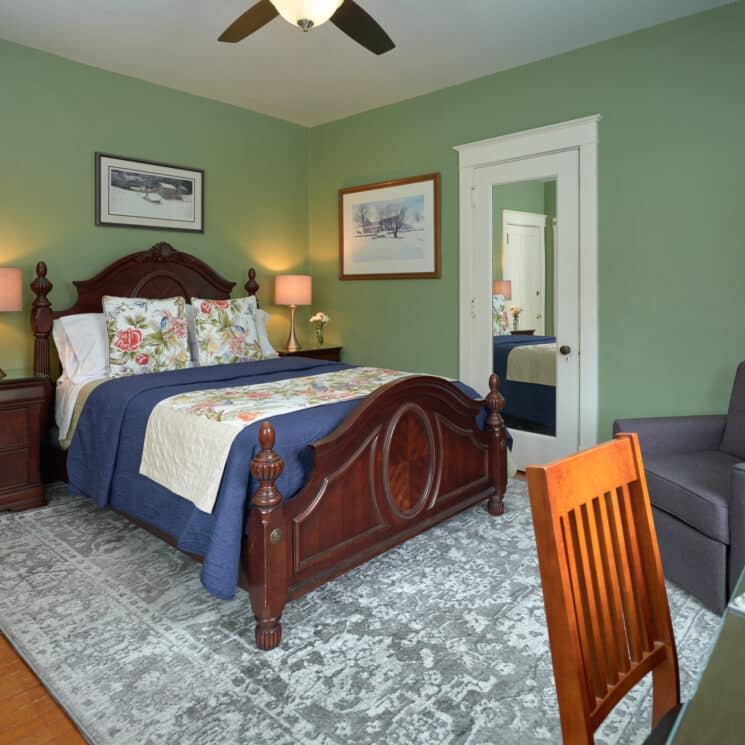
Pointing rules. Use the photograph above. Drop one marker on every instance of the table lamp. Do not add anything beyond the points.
(502, 287)
(11, 290)
(292, 290)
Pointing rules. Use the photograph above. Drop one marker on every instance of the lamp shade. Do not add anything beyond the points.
(502, 287)
(11, 288)
(316, 11)
(292, 289)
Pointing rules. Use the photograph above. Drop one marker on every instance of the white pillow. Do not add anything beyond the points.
(266, 346)
(64, 351)
(83, 346)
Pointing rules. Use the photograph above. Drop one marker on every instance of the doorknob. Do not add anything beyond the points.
(564, 349)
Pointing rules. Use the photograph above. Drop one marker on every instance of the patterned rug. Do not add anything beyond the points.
(442, 640)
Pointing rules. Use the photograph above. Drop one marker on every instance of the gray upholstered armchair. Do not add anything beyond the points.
(695, 469)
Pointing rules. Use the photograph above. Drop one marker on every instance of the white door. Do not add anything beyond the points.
(524, 263)
(534, 447)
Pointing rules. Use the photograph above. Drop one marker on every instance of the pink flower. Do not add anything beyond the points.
(205, 307)
(222, 304)
(142, 359)
(179, 327)
(128, 340)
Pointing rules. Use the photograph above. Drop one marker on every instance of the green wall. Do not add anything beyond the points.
(57, 113)
(672, 259)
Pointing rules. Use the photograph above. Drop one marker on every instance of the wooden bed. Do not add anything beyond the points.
(409, 456)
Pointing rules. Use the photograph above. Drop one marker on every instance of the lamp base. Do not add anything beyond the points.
(2, 373)
(292, 342)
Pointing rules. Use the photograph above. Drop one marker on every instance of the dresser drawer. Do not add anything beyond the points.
(15, 468)
(14, 428)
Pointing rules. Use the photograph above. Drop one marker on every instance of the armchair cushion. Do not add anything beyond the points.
(694, 487)
(665, 435)
(733, 440)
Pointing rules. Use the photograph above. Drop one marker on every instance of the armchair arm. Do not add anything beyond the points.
(736, 524)
(675, 434)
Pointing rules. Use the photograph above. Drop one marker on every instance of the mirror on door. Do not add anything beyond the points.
(524, 240)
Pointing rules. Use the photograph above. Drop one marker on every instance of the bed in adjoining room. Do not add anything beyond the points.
(276, 473)
(526, 366)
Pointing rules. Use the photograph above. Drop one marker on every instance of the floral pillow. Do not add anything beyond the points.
(500, 319)
(226, 330)
(145, 335)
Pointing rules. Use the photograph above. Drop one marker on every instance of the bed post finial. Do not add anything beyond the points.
(252, 286)
(266, 556)
(497, 446)
(41, 320)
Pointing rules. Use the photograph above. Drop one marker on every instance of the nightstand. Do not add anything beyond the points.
(333, 354)
(23, 410)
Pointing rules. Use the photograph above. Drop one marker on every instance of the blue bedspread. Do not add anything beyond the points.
(104, 458)
(528, 401)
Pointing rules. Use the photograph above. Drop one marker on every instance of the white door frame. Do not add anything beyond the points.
(579, 134)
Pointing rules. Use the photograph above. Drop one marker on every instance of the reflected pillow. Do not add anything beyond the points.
(500, 317)
(145, 335)
(226, 330)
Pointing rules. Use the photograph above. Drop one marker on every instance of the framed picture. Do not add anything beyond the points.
(146, 194)
(390, 230)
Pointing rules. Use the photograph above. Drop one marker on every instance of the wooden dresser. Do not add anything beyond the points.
(23, 412)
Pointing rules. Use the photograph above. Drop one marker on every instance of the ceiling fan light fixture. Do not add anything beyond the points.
(306, 13)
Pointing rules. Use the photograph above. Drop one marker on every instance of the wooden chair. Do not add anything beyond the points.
(603, 588)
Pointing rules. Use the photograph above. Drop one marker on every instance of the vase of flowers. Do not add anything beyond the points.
(319, 321)
(515, 311)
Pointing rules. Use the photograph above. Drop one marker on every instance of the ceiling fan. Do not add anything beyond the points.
(346, 15)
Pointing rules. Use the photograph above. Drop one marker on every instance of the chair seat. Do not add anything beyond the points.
(694, 487)
(664, 727)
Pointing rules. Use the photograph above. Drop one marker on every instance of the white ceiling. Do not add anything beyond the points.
(322, 75)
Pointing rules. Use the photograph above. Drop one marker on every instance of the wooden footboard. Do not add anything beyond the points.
(409, 457)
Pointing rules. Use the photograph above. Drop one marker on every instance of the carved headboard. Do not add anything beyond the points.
(159, 272)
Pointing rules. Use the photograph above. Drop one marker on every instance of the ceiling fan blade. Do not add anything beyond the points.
(252, 20)
(359, 25)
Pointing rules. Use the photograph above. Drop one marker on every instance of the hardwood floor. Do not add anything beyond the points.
(28, 714)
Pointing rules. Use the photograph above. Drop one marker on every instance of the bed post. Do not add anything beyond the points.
(497, 446)
(266, 556)
(41, 320)
(252, 286)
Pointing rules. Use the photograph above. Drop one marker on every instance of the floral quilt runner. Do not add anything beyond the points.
(189, 436)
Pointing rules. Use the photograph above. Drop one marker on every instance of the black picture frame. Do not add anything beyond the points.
(148, 194)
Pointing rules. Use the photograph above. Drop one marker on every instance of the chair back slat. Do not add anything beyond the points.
(570, 536)
(606, 605)
(638, 583)
(614, 580)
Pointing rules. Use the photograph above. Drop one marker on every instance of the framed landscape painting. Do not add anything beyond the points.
(390, 230)
(146, 194)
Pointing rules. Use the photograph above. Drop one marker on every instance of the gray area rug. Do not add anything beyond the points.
(442, 640)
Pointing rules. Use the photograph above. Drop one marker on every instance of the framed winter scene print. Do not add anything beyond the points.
(390, 230)
(146, 194)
